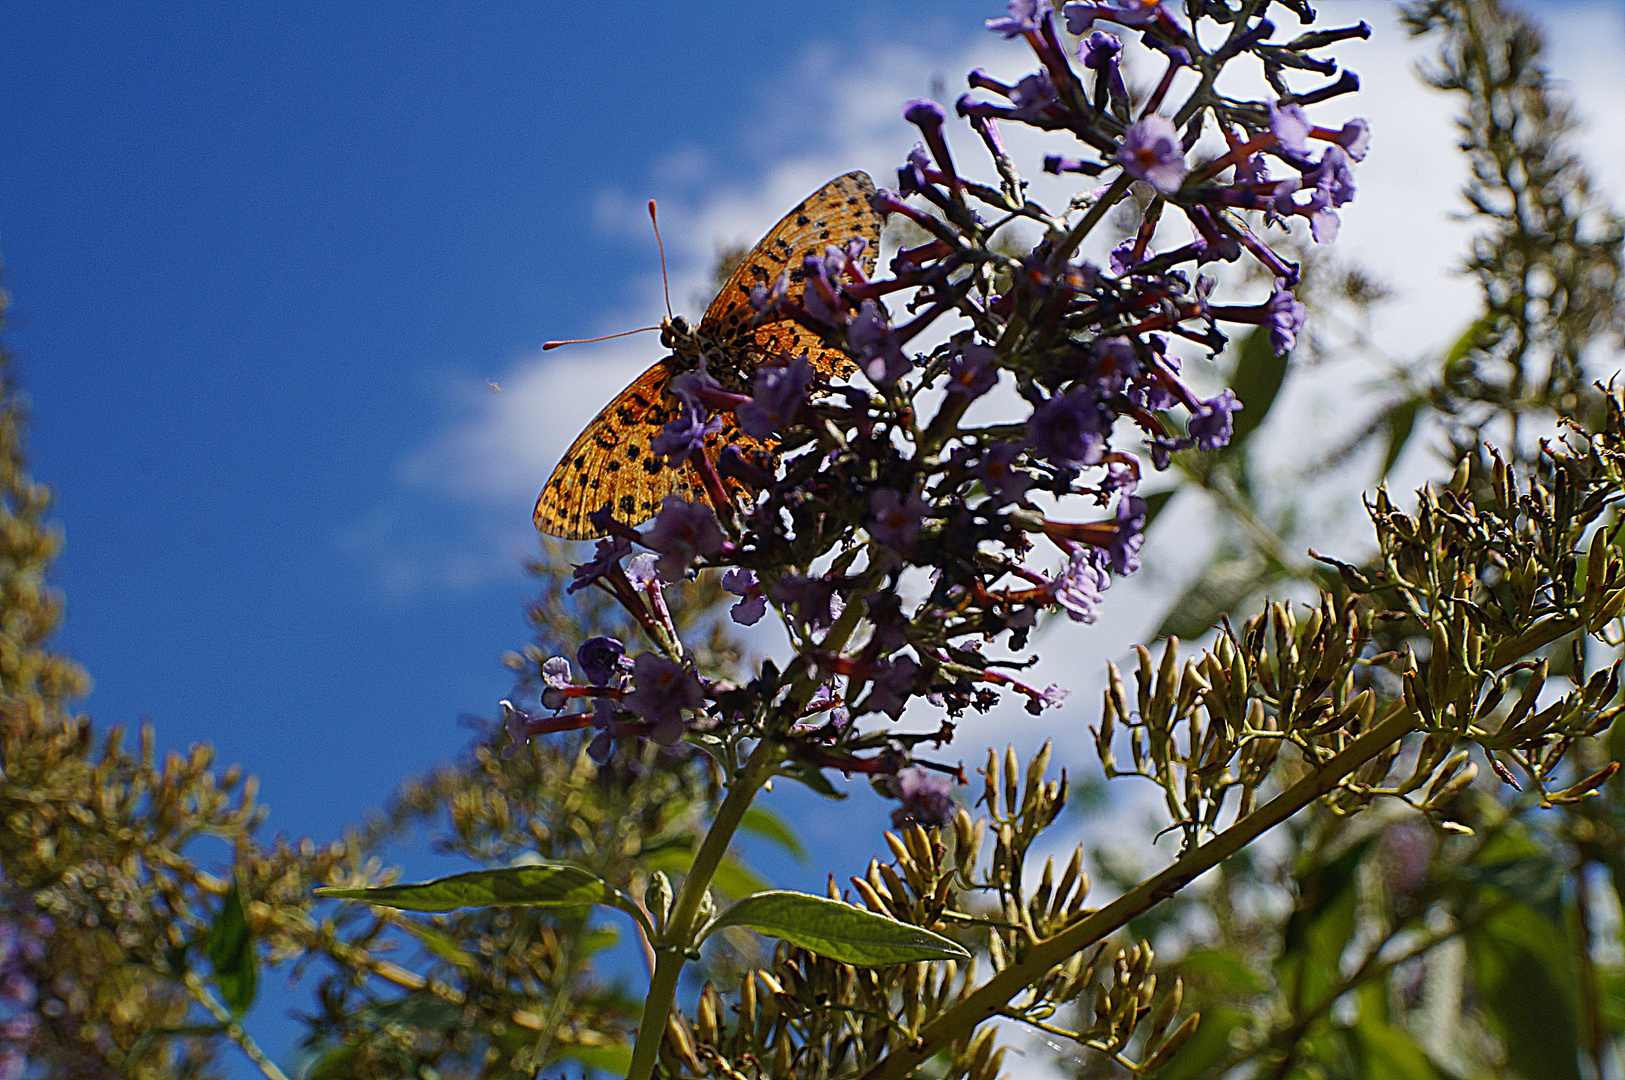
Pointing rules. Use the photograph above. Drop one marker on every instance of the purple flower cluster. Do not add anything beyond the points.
(867, 491)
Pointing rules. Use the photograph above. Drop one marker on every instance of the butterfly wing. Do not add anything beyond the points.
(611, 462)
(835, 213)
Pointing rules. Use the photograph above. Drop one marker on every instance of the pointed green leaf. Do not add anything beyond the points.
(812, 776)
(1524, 973)
(734, 879)
(839, 931)
(1256, 382)
(442, 946)
(1209, 1045)
(1391, 1053)
(543, 885)
(770, 826)
(1401, 422)
(1223, 584)
(231, 953)
(1155, 502)
(614, 1059)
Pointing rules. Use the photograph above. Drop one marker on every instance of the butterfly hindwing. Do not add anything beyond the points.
(612, 461)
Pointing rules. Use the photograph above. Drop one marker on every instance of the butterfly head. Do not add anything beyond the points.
(683, 341)
(674, 331)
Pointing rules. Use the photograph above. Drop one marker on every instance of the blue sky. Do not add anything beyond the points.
(265, 258)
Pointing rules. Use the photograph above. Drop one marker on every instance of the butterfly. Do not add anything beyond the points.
(610, 462)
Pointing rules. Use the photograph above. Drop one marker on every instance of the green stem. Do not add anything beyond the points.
(672, 952)
(1069, 243)
(992, 996)
(200, 993)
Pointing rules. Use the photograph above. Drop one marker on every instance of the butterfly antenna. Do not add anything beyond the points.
(661, 244)
(546, 345)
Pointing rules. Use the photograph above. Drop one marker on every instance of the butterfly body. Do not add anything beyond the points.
(611, 461)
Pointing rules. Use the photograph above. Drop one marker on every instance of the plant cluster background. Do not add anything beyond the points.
(277, 333)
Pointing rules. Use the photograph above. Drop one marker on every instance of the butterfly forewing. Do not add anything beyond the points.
(611, 462)
(839, 211)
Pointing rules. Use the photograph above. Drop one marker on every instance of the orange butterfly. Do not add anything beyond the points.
(610, 462)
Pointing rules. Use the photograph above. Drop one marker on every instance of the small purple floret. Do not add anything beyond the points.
(973, 371)
(1152, 152)
(1210, 425)
(684, 435)
(1284, 316)
(927, 797)
(1291, 127)
(1026, 17)
(779, 394)
(683, 531)
(662, 689)
(609, 553)
(1070, 431)
(600, 658)
(880, 353)
(1077, 589)
(1004, 482)
(895, 520)
(753, 601)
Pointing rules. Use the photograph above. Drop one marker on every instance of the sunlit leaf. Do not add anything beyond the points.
(1208, 1046)
(734, 879)
(441, 946)
(1401, 423)
(545, 885)
(1390, 1053)
(1321, 926)
(767, 824)
(614, 1059)
(839, 931)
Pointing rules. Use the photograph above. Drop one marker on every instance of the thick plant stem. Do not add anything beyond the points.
(987, 1001)
(672, 952)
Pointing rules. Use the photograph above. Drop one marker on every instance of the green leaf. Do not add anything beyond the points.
(231, 953)
(1391, 1053)
(767, 824)
(733, 879)
(422, 1011)
(333, 1065)
(811, 775)
(1401, 423)
(542, 885)
(614, 1059)
(1223, 584)
(836, 930)
(1321, 927)
(1155, 502)
(1256, 381)
(1208, 1046)
(1521, 966)
(441, 946)
(1222, 970)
